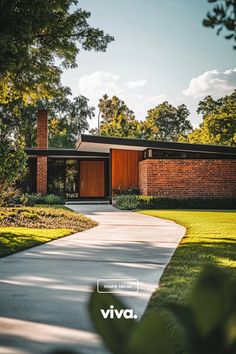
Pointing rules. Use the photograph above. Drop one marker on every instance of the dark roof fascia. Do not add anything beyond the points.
(63, 152)
(161, 145)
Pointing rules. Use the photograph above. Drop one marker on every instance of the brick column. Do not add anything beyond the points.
(42, 143)
(42, 162)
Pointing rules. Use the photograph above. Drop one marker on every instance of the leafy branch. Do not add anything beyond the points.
(223, 17)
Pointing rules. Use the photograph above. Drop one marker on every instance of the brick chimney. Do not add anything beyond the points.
(42, 143)
(42, 129)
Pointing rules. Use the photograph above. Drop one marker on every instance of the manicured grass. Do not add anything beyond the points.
(25, 227)
(210, 238)
(15, 239)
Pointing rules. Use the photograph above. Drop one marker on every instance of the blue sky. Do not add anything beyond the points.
(161, 52)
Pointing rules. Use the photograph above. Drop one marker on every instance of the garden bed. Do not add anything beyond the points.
(24, 227)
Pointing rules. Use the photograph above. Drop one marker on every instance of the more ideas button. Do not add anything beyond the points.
(117, 285)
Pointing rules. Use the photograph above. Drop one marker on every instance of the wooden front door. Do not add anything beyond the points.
(92, 179)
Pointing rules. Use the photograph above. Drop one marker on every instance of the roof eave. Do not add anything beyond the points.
(160, 145)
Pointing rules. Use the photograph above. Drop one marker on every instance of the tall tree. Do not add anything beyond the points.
(219, 121)
(121, 126)
(117, 119)
(111, 107)
(223, 18)
(12, 155)
(166, 122)
(36, 35)
(38, 38)
(67, 120)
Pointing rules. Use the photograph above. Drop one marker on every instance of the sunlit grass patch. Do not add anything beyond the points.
(25, 227)
(210, 239)
(15, 239)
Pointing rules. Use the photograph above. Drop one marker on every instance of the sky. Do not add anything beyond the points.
(161, 52)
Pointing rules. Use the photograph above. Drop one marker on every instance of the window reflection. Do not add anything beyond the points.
(63, 177)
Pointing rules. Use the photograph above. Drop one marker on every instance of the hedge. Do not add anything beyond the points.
(50, 199)
(132, 202)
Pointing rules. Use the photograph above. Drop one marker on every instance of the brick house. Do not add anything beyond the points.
(98, 165)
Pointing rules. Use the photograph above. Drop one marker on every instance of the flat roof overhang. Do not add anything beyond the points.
(103, 144)
(65, 153)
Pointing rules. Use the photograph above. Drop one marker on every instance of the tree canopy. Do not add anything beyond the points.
(219, 121)
(117, 119)
(68, 119)
(38, 38)
(166, 122)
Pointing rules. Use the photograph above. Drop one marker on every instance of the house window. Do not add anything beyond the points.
(63, 177)
(28, 184)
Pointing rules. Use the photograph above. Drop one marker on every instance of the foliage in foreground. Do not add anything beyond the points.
(206, 324)
(132, 202)
(44, 218)
(223, 18)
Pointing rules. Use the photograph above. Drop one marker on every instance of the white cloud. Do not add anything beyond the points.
(213, 83)
(157, 99)
(134, 84)
(136, 96)
(98, 83)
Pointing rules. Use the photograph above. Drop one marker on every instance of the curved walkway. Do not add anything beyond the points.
(45, 290)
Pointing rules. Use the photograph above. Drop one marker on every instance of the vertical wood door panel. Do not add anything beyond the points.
(92, 179)
(125, 165)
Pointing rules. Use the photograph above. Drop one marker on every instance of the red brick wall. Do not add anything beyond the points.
(42, 143)
(42, 174)
(188, 178)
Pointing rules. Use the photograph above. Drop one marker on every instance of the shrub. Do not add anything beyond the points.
(132, 202)
(54, 199)
(126, 202)
(50, 199)
(128, 191)
(12, 196)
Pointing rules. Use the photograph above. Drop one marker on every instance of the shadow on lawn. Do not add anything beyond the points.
(12, 242)
(184, 267)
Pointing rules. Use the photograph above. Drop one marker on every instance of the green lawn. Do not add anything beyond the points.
(210, 238)
(25, 227)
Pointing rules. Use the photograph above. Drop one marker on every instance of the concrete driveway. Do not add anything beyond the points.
(44, 291)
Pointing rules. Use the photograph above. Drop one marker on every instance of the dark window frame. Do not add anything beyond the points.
(181, 155)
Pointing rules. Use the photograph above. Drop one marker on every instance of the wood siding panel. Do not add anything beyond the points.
(125, 166)
(92, 179)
